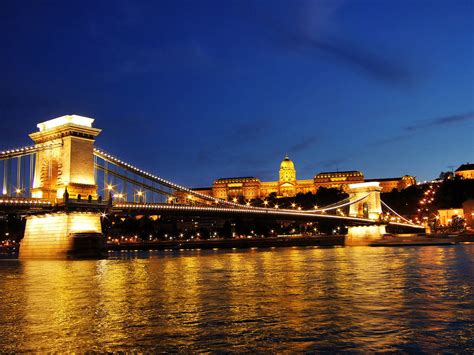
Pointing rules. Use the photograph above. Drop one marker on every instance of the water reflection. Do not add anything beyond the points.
(366, 299)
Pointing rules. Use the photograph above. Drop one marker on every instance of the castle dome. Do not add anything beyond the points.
(287, 164)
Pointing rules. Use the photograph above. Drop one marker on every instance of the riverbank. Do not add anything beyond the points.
(317, 241)
(323, 241)
(423, 240)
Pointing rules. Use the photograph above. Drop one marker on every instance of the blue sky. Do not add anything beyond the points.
(197, 90)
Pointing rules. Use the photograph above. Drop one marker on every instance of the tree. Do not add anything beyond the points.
(457, 224)
(446, 175)
(227, 230)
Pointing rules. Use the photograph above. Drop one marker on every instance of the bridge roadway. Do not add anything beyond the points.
(33, 205)
(213, 211)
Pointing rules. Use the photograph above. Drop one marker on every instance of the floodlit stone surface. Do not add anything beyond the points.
(363, 235)
(68, 159)
(49, 236)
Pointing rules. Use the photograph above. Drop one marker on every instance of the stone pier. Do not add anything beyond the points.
(63, 235)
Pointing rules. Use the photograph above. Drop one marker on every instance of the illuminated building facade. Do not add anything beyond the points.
(465, 171)
(447, 215)
(338, 179)
(398, 183)
(468, 210)
(288, 185)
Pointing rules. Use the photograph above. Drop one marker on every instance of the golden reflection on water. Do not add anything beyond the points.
(291, 299)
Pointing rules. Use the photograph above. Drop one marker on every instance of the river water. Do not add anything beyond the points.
(288, 299)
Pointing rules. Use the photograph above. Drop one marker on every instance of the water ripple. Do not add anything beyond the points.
(285, 300)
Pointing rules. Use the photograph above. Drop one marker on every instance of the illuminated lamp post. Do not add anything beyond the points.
(110, 189)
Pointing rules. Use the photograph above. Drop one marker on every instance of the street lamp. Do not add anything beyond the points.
(140, 195)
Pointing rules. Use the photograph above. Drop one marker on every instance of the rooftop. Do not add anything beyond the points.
(465, 167)
(63, 120)
(340, 173)
(240, 178)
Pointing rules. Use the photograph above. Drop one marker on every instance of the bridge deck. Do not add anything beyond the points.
(34, 205)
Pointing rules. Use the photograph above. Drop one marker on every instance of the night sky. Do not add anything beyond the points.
(197, 90)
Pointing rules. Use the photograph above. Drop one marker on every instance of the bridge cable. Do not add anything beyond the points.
(324, 209)
(396, 214)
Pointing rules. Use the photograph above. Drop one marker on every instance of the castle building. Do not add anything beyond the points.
(397, 183)
(288, 185)
(465, 171)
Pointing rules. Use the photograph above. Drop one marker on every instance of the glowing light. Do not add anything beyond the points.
(63, 120)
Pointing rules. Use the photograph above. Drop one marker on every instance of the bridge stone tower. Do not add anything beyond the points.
(370, 208)
(65, 160)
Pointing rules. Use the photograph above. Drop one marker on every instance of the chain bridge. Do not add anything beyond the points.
(64, 185)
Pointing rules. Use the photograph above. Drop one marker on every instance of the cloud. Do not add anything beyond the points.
(441, 121)
(409, 131)
(303, 145)
(372, 65)
(389, 140)
(333, 162)
(247, 131)
(240, 136)
(287, 31)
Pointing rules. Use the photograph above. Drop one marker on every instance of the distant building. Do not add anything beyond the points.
(468, 209)
(399, 183)
(465, 171)
(234, 187)
(337, 179)
(447, 215)
(250, 187)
